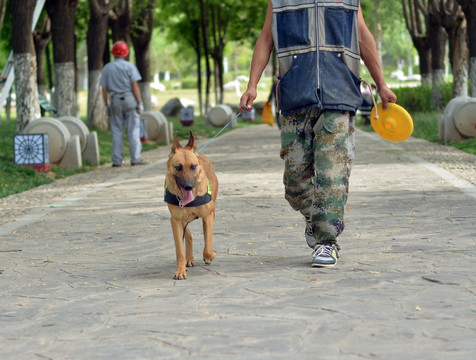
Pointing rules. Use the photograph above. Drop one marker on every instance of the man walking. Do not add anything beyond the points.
(319, 46)
(119, 79)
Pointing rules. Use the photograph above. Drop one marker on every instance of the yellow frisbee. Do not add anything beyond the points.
(394, 124)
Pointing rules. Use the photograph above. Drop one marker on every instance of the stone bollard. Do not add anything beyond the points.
(91, 153)
(76, 127)
(458, 121)
(219, 116)
(58, 135)
(72, 158)
(158, 128)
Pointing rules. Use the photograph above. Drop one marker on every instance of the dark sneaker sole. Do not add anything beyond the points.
(323, 265)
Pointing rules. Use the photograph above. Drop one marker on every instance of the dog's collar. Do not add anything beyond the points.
(199, 200)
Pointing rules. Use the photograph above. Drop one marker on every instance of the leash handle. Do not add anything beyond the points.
(218, 133)
(373, 99)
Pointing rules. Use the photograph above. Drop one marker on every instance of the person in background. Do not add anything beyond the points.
(119, 79)
(319, 47)
(273, 97)
(367, 102)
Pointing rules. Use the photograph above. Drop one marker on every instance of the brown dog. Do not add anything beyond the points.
(191, 188)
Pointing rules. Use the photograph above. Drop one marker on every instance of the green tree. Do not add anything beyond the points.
(384, 20)
(207, 26)
(181, 22)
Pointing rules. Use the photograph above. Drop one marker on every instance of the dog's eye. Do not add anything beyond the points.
(178, 167)
(193, 166)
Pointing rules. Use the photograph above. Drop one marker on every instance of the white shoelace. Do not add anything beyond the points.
(322, 250)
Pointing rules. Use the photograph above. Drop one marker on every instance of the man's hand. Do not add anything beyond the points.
(387, 96)
(246, 102)
(140, 108)
(107, 110)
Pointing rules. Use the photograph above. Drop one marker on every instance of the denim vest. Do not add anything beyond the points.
(317, 44)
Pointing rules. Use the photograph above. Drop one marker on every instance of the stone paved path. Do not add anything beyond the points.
(87, 263)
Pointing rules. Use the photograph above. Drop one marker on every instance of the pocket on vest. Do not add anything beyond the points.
(338, 28)
(298, 86)
(293, 28)
(339, 86)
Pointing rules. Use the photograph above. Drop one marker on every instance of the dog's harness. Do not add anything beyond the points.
(199, 200)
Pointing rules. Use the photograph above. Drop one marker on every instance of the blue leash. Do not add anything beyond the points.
(218, 133)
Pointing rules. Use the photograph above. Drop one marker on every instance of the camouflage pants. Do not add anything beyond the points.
(318, 148)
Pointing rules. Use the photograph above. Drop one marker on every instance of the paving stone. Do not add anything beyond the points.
(87, 262)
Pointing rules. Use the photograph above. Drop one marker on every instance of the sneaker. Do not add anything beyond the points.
(324, 255)
(309, 233)
(139, 163)
(116, 165)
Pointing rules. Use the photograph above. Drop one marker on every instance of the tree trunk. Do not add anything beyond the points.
(28, 108)
(141, 38)
(425, 65)
(469, 9)
(199, 72)
(64, 89)
(120, 21)
(448, 13)
(218, 57)
(414, 13)
(3, 10)
(471, 20)
(24, 62)
(96, 43)
(143, 65)
(62, 15)
(437, 43)
(49, 67)
(206, 51)
(41, 38)
(219, 40)
(459, 59)
(96, 116)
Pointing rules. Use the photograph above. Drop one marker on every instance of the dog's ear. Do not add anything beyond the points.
(191, 142)
(176, 145)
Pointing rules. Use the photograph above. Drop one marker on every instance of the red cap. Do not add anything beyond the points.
(120, 49)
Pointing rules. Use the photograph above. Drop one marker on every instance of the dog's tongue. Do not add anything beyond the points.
(187, 197)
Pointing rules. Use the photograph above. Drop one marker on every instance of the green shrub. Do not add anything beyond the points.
(189, 83)
(426, 126)
(418, 99)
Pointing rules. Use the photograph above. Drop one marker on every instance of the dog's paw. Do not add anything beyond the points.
(207, 258)
(180, 274)
(190, 262)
